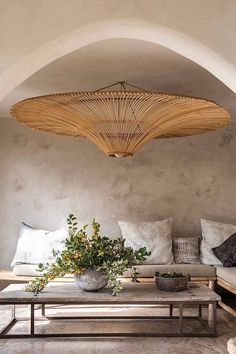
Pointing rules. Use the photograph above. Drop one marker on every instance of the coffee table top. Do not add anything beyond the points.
(61, 293)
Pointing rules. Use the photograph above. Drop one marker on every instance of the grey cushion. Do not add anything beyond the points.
(227, 274)
(194, 270)
(226, 252)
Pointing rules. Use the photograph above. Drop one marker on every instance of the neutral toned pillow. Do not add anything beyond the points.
(186, 250)
(35, 246)
(213, 235)
(156, 236)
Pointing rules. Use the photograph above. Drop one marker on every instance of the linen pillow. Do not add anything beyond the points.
(213, 235)
(156, 236)
(226, 252)
(35, 246)
(186, 250)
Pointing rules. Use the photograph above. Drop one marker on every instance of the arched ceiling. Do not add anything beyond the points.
(141, 63)
(202, 31)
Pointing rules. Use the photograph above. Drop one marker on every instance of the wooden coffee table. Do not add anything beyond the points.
(134, 295)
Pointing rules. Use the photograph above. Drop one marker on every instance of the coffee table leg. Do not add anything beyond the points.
(32, 320)
(212, 318)
(200, 310)
(43, 310)
(181, 319)
(171, 310)
(13, 311)
(210, 314)
(10, 324)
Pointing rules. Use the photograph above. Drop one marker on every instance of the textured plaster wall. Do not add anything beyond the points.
(44, 177)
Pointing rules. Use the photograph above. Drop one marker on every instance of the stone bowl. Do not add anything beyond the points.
(90, 280)
(171, 284)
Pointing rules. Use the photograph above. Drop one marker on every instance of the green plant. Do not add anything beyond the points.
(96, 252)
(170, 275)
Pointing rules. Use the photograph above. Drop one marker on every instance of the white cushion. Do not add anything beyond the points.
(227, 273)
(35, 246)
(213, 235)
(30, 270)
(156, 236)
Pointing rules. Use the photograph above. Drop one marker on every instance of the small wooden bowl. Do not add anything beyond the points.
(171, 284)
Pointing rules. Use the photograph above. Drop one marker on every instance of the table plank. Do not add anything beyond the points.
(133, 294)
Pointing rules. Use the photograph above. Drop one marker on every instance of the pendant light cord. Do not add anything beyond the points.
(122, 86)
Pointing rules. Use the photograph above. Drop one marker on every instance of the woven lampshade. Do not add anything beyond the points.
(120, 122)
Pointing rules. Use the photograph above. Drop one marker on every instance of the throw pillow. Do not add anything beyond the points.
(35, 246)
(226, 252)
(155, 236)
(186, 250)
(213, 235)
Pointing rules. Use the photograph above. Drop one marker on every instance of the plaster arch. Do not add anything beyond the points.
(122, 28)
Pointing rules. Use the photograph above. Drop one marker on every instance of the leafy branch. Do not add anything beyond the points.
(96, 252)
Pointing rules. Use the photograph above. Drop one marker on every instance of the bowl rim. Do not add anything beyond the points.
(182, 277)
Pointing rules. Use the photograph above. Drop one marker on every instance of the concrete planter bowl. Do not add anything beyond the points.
(171, 284)
(91, 280)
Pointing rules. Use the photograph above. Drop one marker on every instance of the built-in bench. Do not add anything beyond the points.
(7, 277)
(199, 273)
(226, 278)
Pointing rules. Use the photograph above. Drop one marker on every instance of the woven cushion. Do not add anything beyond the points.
(213, 235)
(226, 252)
(156, 236)
(186, 250)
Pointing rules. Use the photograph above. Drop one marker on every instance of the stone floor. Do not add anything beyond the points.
(129, 345)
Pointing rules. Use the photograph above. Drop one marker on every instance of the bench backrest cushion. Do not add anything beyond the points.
(156, 236)
(213, 235)
(35, 245)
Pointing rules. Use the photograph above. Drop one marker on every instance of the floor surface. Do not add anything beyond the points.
(129, 345)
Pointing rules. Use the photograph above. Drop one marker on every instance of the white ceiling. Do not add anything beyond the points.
(141, 63)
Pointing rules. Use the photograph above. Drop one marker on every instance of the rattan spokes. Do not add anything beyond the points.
(120, 122)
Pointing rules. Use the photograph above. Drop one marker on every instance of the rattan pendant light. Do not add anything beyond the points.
(120, 122)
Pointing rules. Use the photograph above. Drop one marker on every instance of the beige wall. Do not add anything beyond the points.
(44, 177)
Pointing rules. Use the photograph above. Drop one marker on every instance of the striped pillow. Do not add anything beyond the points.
(186, 250)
